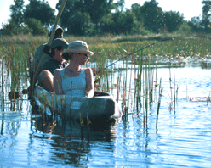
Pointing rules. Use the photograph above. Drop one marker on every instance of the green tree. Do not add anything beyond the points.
(139, 19)
(13, 29)
(79, 24)
(97, 9)
(120, 5)
(195, 23)
(36, 26)
(205, 14)
(135, 8)
(118, 23)
(67, 14)
(107, 24)
(74, 17)
(152, 15)
(172, 20)
(17, 12)
(40, 10)
(92, 11)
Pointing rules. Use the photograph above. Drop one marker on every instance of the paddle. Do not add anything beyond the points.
(34, 78)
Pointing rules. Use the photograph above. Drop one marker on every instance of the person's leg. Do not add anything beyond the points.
(47, 80)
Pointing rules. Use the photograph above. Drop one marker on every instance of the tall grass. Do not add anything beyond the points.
(137, 65)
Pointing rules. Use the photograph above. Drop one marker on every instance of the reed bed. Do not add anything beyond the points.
(133, 78)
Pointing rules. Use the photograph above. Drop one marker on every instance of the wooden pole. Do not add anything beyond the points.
(57, 21)
(34, 78)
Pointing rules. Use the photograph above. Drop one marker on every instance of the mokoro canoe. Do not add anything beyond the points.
(102, 107)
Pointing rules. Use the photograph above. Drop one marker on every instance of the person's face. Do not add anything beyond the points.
(58, 34)
(81, 58)
(58, 54)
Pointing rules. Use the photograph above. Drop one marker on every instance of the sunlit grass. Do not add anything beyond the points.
(18, 51)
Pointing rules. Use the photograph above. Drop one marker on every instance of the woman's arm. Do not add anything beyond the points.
(57, 82)
(89, 83)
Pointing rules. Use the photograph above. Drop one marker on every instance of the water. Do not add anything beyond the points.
(177, 137)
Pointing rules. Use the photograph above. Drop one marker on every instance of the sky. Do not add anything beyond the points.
(189, 8)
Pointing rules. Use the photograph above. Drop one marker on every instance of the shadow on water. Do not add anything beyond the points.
(206, 65)
(69, 141)
(42, 139)
(145, 136)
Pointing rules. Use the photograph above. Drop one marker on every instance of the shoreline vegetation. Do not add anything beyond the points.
(138, 53)
(113, 47)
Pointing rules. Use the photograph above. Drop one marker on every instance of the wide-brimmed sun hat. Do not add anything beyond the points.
(59, 42)
(78, 47)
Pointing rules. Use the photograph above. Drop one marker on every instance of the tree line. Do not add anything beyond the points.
(96, 17)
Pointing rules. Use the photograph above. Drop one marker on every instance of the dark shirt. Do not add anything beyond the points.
(53, 64)
(37, 57)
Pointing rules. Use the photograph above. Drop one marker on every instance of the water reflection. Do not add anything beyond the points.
(175, 138)
(206, 64)
(69, 142)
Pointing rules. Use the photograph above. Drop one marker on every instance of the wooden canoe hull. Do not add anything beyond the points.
(101, 107)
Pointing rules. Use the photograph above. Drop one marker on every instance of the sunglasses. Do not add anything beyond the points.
(86, 55)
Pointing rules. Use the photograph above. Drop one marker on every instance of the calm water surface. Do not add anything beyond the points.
(177, 137)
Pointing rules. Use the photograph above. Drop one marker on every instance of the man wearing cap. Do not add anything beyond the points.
(38, 56)
(55, 61)
(39, 52)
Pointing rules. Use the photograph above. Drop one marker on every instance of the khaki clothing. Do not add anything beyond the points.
(37, 58)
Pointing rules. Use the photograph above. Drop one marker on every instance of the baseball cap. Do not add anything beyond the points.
(59, 42)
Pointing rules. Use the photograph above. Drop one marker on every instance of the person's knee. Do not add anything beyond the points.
(45, 73)
(46, 77)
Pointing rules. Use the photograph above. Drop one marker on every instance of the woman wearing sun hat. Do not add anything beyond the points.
(74, 80)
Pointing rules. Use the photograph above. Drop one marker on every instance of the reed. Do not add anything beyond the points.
(130, 83)
(18, 52)
(160, 96)
(2, 84)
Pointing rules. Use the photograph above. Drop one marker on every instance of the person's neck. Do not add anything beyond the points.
(74, 68)
(59, 60)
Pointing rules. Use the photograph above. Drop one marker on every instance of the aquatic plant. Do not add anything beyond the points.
(135, 81)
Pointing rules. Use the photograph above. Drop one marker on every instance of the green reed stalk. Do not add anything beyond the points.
(111, 88)
(187, 92)
(134, 86)
(151, 75)
(130, 83)
(118, 83)
(107, 81)
(146, 91)
(174, 94)
(139, 81)
(208, 98)
(170, 80)
(156, 82)
(124, 89)
(2, 85)
(177, 92)
(160, 96)
(136, 94)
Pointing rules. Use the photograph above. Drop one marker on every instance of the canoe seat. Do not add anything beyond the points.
(96, 94)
